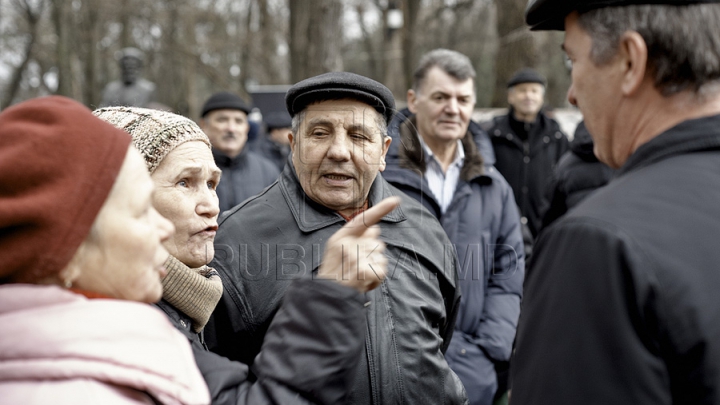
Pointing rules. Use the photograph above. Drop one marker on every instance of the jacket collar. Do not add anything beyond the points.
(688, 136)
(224, 161)
(410, 152)
(311, 216)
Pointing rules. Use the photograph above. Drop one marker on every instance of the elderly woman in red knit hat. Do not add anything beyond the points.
(80, 240)
(178, 156)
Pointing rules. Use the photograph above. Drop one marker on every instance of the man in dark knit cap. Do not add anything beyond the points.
(339, 142)
(527, 145)
(621, 302)
(244, 173)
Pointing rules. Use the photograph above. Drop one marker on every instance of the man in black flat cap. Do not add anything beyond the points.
(224, 120)
(527, 145)
(621, 302)
(339, 142)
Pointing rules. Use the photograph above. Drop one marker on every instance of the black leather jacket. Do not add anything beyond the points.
(279, 235)
(298, 364)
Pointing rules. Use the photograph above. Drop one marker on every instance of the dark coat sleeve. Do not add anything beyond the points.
(308, 356)
(588, 316)
(504, 289)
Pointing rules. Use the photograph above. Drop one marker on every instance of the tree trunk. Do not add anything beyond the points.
(410, 16)
(90, 15)
(516, 49)
(315, 38)
(33, 17)
(63, 24)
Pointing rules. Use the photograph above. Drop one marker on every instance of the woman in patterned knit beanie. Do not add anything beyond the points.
(313, 345)
(79, 241)
(178, 157)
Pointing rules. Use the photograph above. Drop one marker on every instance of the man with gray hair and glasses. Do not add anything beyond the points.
(440, 158)
(621, 302)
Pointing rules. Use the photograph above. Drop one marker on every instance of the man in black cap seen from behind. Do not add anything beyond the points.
(621, 302)
(339, 142)
(224, 120)
(527, 145)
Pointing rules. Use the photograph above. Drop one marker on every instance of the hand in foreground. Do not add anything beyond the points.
(354, 255)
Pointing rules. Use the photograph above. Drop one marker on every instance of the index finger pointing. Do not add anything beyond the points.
(372, 216)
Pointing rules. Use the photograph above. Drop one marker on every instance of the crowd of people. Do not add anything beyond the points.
(353, 253)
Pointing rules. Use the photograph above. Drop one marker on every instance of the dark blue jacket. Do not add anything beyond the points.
(483, 223)
(242, 177)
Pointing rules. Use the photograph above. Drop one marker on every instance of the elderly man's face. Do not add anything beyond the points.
(595, 90)
(185, 184)
(227, 129)
(527, 99)
(443, 106)
(337, 153)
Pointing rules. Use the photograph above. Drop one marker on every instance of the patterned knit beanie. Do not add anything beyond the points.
(154, 133)
(58, 164)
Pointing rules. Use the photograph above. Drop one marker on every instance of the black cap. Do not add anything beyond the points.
(526, 75)
(337, 85)
(550, 14)
(278, 119)
(225, 100)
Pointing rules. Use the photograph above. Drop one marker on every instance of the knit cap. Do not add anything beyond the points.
(58, 164)
(154, 133)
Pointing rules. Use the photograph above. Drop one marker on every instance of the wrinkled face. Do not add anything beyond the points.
(594, 90)
(185, 184)
(337, 153)
(526, 98)
(227, 129)
(443, 106)
(123, 256)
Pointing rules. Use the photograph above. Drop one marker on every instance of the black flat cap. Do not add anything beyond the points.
(543, 15)
(225, 100)
(527, 75)
(338, 85)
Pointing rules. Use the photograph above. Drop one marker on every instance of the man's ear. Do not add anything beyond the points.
(411, 99)
(386, 146)
(633, 53)
(202, 123)
(291, 138)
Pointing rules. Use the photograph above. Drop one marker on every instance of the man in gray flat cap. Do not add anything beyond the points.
(339, 142)
(621, 301)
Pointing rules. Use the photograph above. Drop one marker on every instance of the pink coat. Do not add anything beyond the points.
(58, 347)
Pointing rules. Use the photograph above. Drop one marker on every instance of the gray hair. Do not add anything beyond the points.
(297, 121)
(453, 63)
(682, 41)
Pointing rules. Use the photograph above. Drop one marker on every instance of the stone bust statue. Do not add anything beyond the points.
(131, 90)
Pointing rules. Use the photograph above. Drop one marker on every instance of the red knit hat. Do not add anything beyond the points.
(58, 164)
